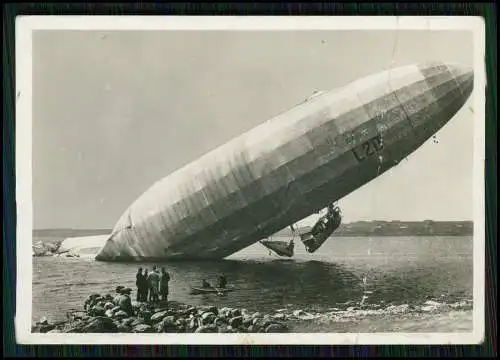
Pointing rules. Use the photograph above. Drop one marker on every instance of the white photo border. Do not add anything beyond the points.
(25, 25)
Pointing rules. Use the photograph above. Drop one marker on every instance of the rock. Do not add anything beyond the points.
(256, 315)
(207, 318)
(98, 324)
(104, 317)
(280, 316)
(158, 327)
(432, 303)
(182, 329)
(98, 310)
(191, 310)
(122, 328)
(258, 328)
(265, 323)
(219, 321)
(207, 329)
(276, 328)
(298, 313)
(142, 328)
(39, 328)
(241, 329)
(51, 247)
(429, 308)
(146, 315)
(236, 321)
(128, 321)
(209, 308)
(225, 330)
(459, 304)
(169, 319)
(54, 331)
(228, 329)
(235, 313)
(168, 324)
(157, 317)
(120, 315)
(180, 321)
(137, 321)
(193, 324)
(397, 309)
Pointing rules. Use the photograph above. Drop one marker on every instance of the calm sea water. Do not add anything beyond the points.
(349, 284)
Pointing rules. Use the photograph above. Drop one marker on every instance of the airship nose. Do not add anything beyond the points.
(464, 75)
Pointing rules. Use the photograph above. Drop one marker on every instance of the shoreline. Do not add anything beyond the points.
(177, 317)
(162, 317)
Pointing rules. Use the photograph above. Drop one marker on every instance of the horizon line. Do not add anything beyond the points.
(351, 222)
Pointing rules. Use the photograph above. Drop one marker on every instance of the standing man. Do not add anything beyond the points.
(139, 282)
(165, 278)
(154, 284)
(145, 284)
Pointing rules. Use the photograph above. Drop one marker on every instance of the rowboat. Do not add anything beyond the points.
(200, 290)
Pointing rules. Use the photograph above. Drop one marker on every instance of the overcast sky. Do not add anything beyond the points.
(113, 112)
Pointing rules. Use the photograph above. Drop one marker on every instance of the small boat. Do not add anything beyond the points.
(212, 290)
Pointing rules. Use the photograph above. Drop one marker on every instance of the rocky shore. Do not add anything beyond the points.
(41, 248)
(162, 317)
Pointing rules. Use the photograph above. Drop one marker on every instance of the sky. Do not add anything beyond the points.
(113, 112)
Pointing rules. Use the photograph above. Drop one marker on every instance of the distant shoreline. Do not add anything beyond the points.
(354, 229)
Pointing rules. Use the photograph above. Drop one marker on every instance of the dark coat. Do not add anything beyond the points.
(165, 278)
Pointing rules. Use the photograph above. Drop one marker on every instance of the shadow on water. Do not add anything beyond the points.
(272, 284)
(416, 284)
(260, 286)
(379, 271)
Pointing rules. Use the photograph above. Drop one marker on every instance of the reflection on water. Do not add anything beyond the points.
(345, 272)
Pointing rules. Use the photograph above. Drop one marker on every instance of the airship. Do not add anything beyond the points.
(289, 167)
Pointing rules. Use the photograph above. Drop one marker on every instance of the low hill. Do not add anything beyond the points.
(399, 228)
(65, 233)
(359, 228)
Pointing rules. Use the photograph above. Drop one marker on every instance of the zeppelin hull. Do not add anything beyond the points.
(290, 166)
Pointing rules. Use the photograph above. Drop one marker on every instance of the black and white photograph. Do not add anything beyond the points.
(250, 180)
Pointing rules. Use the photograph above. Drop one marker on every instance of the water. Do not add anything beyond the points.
(350, 284)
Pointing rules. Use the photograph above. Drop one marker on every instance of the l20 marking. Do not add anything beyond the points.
(368, 148)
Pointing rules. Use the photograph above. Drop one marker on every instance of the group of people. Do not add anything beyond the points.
(153, 285)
